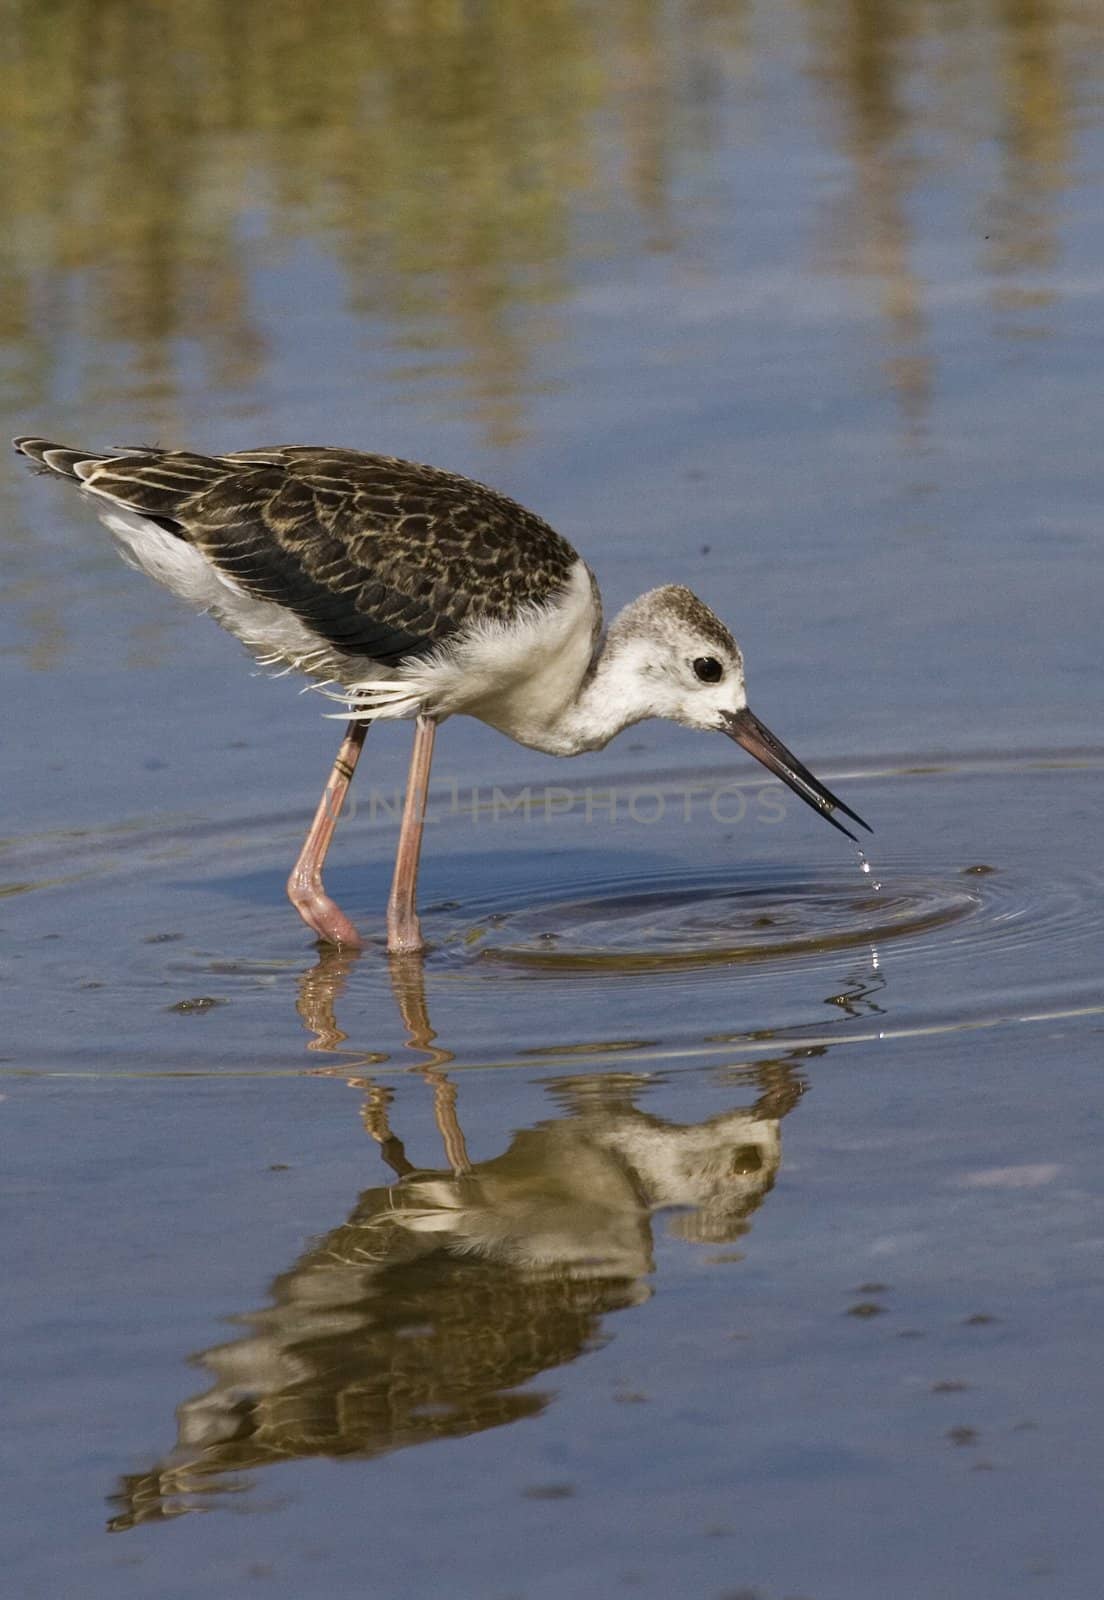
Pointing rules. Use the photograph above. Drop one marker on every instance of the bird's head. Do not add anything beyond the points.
(683, 658)
(689, 669)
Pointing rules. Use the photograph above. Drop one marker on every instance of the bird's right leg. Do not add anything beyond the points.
(304, 887)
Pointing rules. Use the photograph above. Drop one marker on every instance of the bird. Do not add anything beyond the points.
(407, 591)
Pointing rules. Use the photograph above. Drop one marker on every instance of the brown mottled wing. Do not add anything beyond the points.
(383, 558)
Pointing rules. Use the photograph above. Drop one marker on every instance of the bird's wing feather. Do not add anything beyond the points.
(381, 557)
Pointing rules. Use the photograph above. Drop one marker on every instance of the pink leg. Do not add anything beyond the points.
(404, 932)
(304, 887)
(408, 984)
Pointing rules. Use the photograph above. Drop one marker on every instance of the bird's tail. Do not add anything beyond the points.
(61, 459)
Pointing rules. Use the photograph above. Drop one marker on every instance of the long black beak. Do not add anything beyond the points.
(759, 741)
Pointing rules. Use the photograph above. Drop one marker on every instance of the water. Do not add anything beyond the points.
(867, 870)
(701, 1215)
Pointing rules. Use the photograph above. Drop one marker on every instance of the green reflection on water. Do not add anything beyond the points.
(432, 147)
(461, 162)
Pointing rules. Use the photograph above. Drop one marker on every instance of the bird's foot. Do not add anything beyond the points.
(322, 915)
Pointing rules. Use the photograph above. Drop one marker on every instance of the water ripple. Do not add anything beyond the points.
(673, 922)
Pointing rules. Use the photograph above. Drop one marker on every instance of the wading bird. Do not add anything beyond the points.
(415, 593)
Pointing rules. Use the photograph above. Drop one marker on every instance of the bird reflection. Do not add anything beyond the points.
(444, 1293)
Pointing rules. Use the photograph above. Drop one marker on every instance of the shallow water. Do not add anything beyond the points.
(697, 1217)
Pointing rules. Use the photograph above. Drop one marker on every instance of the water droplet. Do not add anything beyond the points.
(864, 866)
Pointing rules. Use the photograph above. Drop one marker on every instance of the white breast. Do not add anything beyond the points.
(518, 676)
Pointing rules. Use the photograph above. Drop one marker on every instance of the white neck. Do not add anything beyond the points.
(643, 670)
(544, 683)
(565, 699)
(615, 694)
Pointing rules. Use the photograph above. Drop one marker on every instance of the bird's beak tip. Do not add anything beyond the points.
(744, 726)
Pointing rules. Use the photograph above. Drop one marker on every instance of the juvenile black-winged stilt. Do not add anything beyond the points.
(420, 594)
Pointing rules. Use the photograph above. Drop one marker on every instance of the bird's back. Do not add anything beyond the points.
(379, 558)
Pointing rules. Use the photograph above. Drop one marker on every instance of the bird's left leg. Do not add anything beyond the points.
(404, 933)
(304, 887)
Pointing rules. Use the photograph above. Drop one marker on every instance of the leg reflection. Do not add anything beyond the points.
(319, 991)
(408, 987)
(374, 1113)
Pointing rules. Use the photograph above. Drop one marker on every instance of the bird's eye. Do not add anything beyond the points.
(707, 669)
